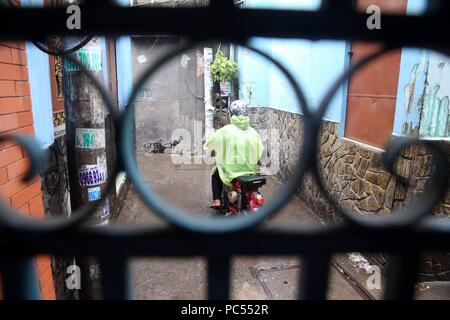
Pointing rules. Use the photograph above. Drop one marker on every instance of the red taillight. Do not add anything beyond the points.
(259, 200)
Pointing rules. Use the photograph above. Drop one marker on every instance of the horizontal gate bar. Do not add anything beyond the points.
(238, 24)
(129, 241)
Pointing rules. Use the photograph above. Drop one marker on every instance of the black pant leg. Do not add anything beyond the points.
(217, 185)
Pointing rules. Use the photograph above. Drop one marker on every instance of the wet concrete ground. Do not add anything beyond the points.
(188, 186)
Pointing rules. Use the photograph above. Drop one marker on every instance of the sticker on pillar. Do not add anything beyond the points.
(94, 193)
(97, 109)
(105, 210)
(92, 175)
(87, 138)
(102, 164)
(144, 94)
(90, 56)
(102, 224)
(95, 271)
(225, 89)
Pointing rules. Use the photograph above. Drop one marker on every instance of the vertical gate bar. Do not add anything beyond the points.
(314, 270)
(90, 281)
(402, 275)
(218, 278)
(116, 283)
(346, 5)
(19, 279)
(221, 3)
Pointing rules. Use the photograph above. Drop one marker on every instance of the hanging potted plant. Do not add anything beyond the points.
(224, 70)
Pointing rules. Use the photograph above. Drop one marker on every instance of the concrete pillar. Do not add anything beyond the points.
(86, 115)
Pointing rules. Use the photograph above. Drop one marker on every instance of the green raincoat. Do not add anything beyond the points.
(238, 148)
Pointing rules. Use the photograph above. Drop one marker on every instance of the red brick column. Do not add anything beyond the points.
(16, 117)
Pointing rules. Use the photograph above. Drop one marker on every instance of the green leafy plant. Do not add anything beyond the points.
(223, 69)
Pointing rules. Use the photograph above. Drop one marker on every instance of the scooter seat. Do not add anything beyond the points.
(252, 181)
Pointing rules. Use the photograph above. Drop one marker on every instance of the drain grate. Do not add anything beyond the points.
(281, 283)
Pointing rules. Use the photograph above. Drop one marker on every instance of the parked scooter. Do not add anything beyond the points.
(243, 196)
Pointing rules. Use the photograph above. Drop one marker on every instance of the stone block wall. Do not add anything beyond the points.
(354, 175)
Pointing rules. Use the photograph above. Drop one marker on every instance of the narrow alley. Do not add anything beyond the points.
(350, 119)
(256, 278)
(252, 278)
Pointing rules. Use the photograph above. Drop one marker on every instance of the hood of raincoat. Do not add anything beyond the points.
(242, 122)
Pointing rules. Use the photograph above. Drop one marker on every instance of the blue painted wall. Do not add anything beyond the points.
(411, 83)
(124, 70)
(41, 99)
(283, 4)
(124, 67)
(422, 107)
(411, 86)
(314, 65)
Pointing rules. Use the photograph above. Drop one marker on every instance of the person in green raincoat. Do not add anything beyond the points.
(238, 148)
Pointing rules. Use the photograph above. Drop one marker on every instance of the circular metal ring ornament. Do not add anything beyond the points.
(11, 220)
(63, 52)
(413, 213)
(178, 217)
(45, 49)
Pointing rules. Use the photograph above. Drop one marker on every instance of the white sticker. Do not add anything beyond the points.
(185, 61)
(94, 193)
(92, 175)
(90, 56)
(105, 211)
(208, 84)
(142, 59)
(225, 88)
(102, 224)
(86, 138)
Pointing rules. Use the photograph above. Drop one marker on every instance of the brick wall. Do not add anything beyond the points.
(16, 117)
